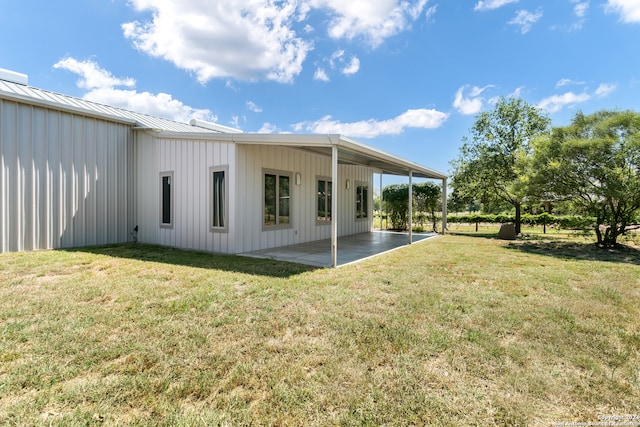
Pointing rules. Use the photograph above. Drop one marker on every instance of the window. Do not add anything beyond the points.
(362, 200)
(218, 199)
(166, 200)
(277, 199)
(324, 200)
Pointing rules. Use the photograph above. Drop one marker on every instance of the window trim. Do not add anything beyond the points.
(278, 174)
(365, 201)
(213, 228)
(328, 185)
(172, 197)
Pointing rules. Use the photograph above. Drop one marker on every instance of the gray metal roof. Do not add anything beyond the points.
(48, 99)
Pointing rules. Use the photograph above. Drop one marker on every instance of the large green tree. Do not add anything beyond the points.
(426, 196)
(594, 163)
(495, 157)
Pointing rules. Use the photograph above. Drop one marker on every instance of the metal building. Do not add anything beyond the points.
(77, 173)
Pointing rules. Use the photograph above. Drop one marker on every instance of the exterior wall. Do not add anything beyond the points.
(189, 161)
(64, 179)
(254, 159)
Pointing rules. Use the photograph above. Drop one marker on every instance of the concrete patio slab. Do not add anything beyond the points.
(351, 249)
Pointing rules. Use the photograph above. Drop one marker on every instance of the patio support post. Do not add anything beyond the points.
(444, 205)
(410, 206)
(335, 188)
(381, 200)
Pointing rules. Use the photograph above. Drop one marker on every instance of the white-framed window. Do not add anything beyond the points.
(276, 198)
(219, 198)
(362, 200)
(323, 200)
(166, 199)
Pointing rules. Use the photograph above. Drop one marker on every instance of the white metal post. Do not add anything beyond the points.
(381, 200)
(334, 206)
(444, 205)
(410, 207)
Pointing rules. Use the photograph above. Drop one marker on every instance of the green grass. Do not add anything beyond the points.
(458, 330)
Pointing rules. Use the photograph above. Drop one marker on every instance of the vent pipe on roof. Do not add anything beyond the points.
(14, 77)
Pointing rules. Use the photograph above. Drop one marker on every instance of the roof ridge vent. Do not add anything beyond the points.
(14, 77)
(213, 126)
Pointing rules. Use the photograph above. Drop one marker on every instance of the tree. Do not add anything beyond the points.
(494, 159)
(425, 196)
(594, 163)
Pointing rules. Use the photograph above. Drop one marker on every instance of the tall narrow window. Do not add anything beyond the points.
(166, 199)
(218, 199)
(324, 200)
(362, 200)
(277, 199)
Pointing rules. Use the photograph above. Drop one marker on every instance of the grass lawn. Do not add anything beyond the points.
(458, 330)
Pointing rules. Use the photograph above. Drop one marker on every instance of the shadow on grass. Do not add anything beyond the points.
(197, 259)
(578, 251)
(561, 247)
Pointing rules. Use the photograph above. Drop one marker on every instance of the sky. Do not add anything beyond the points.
(405, 76)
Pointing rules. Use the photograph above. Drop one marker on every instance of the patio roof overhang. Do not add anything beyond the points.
(349, 151)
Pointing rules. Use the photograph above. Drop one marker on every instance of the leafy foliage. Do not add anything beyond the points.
(595, 163)
(494, 160)
(426, 196)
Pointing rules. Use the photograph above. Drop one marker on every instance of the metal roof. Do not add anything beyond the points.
(28, 94)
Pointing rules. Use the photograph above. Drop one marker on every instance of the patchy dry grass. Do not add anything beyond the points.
(458, 330)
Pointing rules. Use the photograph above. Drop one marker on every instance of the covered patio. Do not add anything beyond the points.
(352, 249)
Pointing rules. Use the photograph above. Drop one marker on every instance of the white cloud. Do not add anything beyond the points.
(492, 4)
(526, 19)
(567, 82)
(372, 21)
(420, 118)
(470, 103)
(91, 75)
(556, 103)
(629, 10)
(517, 93)
(605, 89)
(581, 9)
(352, 67)
(321, 75)
(253, 107)
(430, 13)
(268, 128)
(251, 39)
(243, 39)
(102, 87)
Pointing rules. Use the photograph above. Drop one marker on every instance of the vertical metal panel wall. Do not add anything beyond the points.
(63, 179)
(190, 162)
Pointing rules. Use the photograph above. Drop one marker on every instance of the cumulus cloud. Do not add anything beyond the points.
(371, 21)
(249, 39)
(556, 103)
(471, 102)
(251, 106)
(430, 13)
(419, 118)
(629, 10)
(352, 67)
(492, 4)
(102, 87)
(321, 75)
(605, 89)
(567, 82)
(526, 19)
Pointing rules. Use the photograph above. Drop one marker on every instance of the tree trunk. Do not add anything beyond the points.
(517, 219)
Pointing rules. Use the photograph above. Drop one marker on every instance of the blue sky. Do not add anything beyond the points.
(405, 76)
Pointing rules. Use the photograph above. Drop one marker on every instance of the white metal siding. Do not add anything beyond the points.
(63, 179)
(190, 162)
(253, 159)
